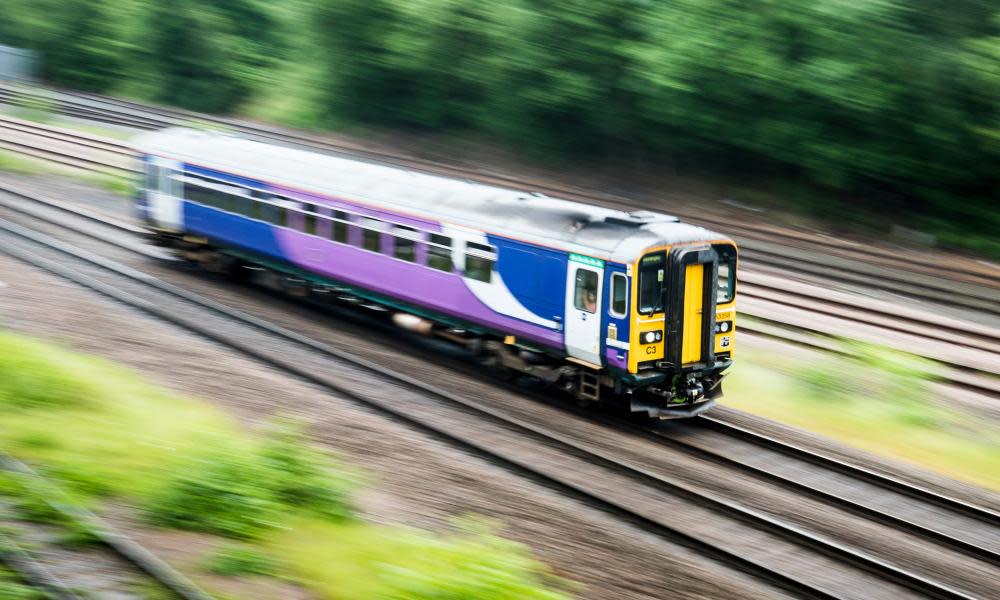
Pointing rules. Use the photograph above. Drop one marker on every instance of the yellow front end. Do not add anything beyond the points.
(653, 344)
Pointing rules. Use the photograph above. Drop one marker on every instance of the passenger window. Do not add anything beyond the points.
(282, 216)
(223, 201)
(242, 205)
(268, 212)
(371, 234)
(479, 261)
(439, 253)
(309, 219)
(339, 231)
(619, 295)
(585, 292)
(206, 196)
(406, 245)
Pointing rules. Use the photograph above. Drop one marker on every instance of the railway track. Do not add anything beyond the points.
(127, 551)
(63, 147)
(34, 572)
(977, 376)
(821, 255)
(572, 465)
(802, 301)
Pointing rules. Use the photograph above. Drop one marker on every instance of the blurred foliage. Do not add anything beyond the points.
(400, 563)
(241, 560)
(26, 382)
(242, 492)
(896, 103)
(16, 163)
(12, 588)
(876, 399)
(103, 433)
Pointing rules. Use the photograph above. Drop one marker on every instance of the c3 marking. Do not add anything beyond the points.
(650, 349)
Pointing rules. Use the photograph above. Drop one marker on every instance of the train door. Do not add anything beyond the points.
(691, 306)
(583, 308)
(164, 196)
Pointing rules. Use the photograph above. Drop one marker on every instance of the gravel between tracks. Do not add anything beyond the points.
(388, 506)
(418, 481)
(117, 207)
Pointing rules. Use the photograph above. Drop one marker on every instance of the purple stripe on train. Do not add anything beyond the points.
(406, 281)
(611, 356)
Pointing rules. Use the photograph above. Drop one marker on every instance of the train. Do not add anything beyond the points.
(631, 308)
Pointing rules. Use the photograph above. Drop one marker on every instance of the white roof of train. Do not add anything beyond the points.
(583, 228)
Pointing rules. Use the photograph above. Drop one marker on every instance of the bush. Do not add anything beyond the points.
(399, 563)
(470, 565)
(223, 491)
(30, 379)
(303, 476)
(241, 492)
(241, 560)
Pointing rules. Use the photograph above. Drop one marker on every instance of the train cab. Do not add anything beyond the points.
(683, 317)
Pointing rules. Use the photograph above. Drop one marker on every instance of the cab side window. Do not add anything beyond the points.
(619, 295)
(726, 283)
(585, 291)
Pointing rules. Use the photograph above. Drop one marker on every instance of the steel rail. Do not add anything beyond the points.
(47, 153)
(923, 290)
(34, 573)
(983, 514)
(778, 333)
(172, 116)
(874, 514)
(121, 545)
(757, 520)
(980, 552)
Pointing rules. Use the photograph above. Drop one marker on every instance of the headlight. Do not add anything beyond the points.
(723, 326)
(650, 337)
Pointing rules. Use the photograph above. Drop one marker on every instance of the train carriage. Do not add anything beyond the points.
(634, 307)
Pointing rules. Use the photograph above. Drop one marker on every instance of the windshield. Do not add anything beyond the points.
(652, 272)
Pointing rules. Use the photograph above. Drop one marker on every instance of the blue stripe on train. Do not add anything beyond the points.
(232, 229)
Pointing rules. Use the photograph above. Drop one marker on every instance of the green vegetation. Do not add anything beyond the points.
(395, 563)
(15, 163)
(241, 560)
(878, 400)
(24, 165)
(862, 108)
(107, 435)
(11, 587)
(242, 492)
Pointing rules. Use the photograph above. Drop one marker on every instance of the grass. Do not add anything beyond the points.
(398, 562)
(98, 428)
(42, 108)
(241, 560)
(24, 165)
(879, 401)
(116, 184)
(15, 163)
(11, 587)
(104, 433)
